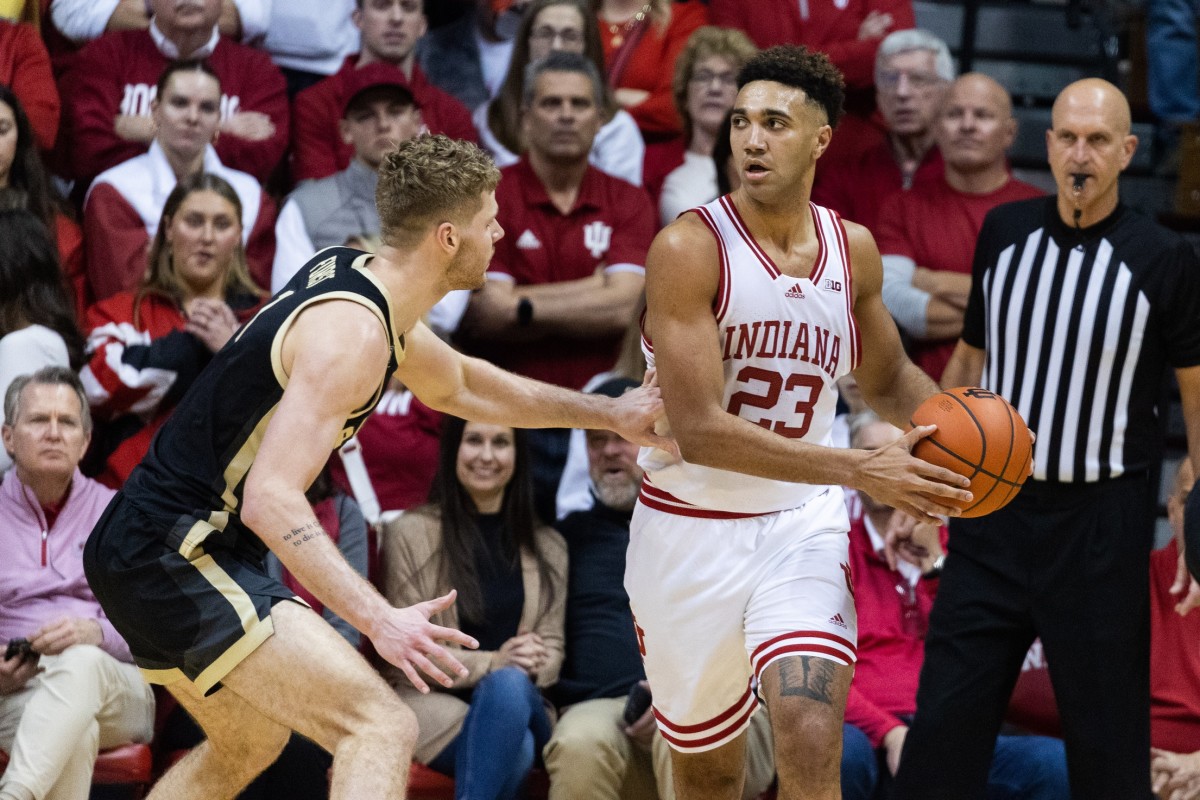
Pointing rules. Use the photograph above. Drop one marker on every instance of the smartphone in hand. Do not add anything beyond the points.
(636, 704)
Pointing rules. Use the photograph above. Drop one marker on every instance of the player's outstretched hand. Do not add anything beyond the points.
(409, 640)
(894, 477)
(636, 412)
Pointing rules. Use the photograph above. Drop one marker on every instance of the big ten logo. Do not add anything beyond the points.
(979, 394)
(832, 285)
(138, 97)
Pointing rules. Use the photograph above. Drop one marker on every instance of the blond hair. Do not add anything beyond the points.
(428, 180)
(710, 40)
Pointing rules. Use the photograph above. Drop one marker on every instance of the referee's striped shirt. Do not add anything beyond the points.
(1078, 327)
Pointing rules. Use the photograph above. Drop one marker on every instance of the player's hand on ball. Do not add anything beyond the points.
(894, 477)
(407, 639)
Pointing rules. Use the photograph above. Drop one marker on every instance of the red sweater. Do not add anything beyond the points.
(318, 149)
(891, 639)
(117, 74)
(651, 67)
(830, 26)
(25, 68)
(1174, 662)
(138, 373)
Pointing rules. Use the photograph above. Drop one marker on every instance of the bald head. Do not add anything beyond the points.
(983, 88)
(974, 131)
(1094, 96)
(1088, 148)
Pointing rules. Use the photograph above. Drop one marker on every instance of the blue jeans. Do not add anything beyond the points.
(505, 726)
(1172, 61)
(1023, 768)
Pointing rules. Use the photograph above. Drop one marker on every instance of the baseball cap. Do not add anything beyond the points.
(375, 80)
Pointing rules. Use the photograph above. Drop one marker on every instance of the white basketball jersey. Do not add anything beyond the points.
(784, 343)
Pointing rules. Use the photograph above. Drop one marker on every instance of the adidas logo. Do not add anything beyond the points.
(529, 241)
(836, 619)
(796, 291)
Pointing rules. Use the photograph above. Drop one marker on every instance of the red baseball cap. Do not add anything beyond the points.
(380, 79)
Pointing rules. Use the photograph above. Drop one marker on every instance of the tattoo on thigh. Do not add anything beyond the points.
(305, 533)
(807, 676)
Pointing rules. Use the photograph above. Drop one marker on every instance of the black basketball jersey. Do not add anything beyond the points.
(1078, 328)
(197, 463)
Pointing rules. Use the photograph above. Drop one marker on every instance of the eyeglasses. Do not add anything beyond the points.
(705, 78)
(546, 35)
(919, 81)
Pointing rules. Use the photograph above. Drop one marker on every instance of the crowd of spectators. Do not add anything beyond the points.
(167, 165)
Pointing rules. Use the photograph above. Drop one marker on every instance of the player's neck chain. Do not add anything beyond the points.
(618, 30)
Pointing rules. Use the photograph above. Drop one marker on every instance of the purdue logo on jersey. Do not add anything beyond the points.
(322, 271)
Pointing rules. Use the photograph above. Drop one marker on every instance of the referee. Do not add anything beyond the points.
(1078, 304)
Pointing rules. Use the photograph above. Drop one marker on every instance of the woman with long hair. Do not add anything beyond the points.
(148, 344)
(549, 25)
(479, 535)
(37, 322)
(21, 169)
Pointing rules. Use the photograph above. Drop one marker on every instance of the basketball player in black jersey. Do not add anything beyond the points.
(177, 559)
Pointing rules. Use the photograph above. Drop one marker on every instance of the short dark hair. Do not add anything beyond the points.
(801, 68)
(188, 65)
(562, 61)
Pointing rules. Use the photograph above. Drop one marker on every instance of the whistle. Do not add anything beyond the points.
(1079, 179)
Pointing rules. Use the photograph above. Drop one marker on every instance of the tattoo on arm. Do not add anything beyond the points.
(305, 533)
(807, 676)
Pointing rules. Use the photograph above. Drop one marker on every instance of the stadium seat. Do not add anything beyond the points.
(128, 765)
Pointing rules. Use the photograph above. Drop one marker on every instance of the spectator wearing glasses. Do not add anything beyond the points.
(546, 27)
(913, 71)
(705, 87)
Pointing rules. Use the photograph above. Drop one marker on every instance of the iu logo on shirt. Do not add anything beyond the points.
(597, 237)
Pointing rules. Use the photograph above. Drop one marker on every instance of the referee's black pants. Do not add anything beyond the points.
(1068, 563)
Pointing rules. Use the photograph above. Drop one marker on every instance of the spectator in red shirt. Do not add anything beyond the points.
(25, 67)
(147, 345)
(549, 25)
(912, 72)
(848, 31)
(894, 597)
(564, 282)
(110, 89)
(641, 42)
(390, 31)
(1174, 662)
(927, 236)
(122, 207)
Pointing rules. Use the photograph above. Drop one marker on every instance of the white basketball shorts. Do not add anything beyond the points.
(716, 601)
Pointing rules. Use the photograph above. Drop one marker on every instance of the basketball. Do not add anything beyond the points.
(980, 436)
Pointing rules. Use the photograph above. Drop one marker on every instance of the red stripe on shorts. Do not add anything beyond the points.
(653, 497)
(717, 728)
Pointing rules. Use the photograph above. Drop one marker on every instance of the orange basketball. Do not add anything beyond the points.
(981, 437)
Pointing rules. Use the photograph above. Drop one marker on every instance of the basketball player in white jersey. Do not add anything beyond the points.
(738, 576)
